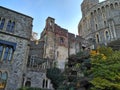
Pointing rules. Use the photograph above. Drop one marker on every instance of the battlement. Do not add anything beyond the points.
(71, 37)
(60, 31)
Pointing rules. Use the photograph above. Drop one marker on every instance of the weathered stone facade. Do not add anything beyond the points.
(27, 66)
(35, 75)
(58, 43)
(16, 35)
(100, 22)
(36, 48)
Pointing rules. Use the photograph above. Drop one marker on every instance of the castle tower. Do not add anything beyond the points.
(87, 4)
(49, 38)
(50, 24)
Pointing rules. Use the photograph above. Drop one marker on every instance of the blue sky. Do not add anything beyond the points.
(67, 13)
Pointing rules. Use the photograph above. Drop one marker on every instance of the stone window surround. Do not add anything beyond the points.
(2, 23)
(61, 40)
(105, 7)
(6, 50)
(107, 35)
(45, 83)
(6, 53)
(12, 25)
(97, 37)
(3, 79)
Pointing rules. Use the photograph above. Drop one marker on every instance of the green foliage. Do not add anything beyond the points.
(105, 73)
(107, 51)
(56, 76)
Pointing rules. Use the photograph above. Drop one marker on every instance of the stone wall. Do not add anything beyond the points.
(21, 35)
(37, 80)
(58, 43)
(36, 48)
(101, 22)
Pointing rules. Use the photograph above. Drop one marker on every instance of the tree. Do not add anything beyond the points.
(105, 70)
(56, 76)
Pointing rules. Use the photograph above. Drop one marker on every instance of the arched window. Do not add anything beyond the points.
(28, 84)
(99, 11)
(97, 38)
(12, 26)
(105, 23)
(95, 12)
(43, 84)
(103, 9)
(4, 76)
(116, 4)
(8, 25)
(91, 14)
(61, 40)
(111, 6)
(96, 27)
(107, 36)
(2, 23)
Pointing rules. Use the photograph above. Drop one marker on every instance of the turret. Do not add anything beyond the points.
(50, 23)
(87, 5)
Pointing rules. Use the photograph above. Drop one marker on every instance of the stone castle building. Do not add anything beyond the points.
(100, 22)
(18, 64)
(59, 43)
(15, 34)
(24, 61)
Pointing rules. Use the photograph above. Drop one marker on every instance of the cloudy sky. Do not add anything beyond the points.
(67, 13)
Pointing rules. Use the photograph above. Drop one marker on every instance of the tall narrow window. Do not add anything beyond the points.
(61, 40)
(8, 26)
(6, 53)
(10, 52)
(116, 4)
(97, 38)
(57, 54)
(4, 76)
(2, 23)
(6, 50)
(28, 84)
(43, 84)
(1, 51)
(111, 6)
(46, 83)
(0, 19)
(105, 23)
(96, 26)
(12, 26)
(107, 35)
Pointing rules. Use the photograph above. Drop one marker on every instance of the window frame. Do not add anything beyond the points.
(2, 23)
(7, 53)
(61, 40)
(107, 35)
(97, 38)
